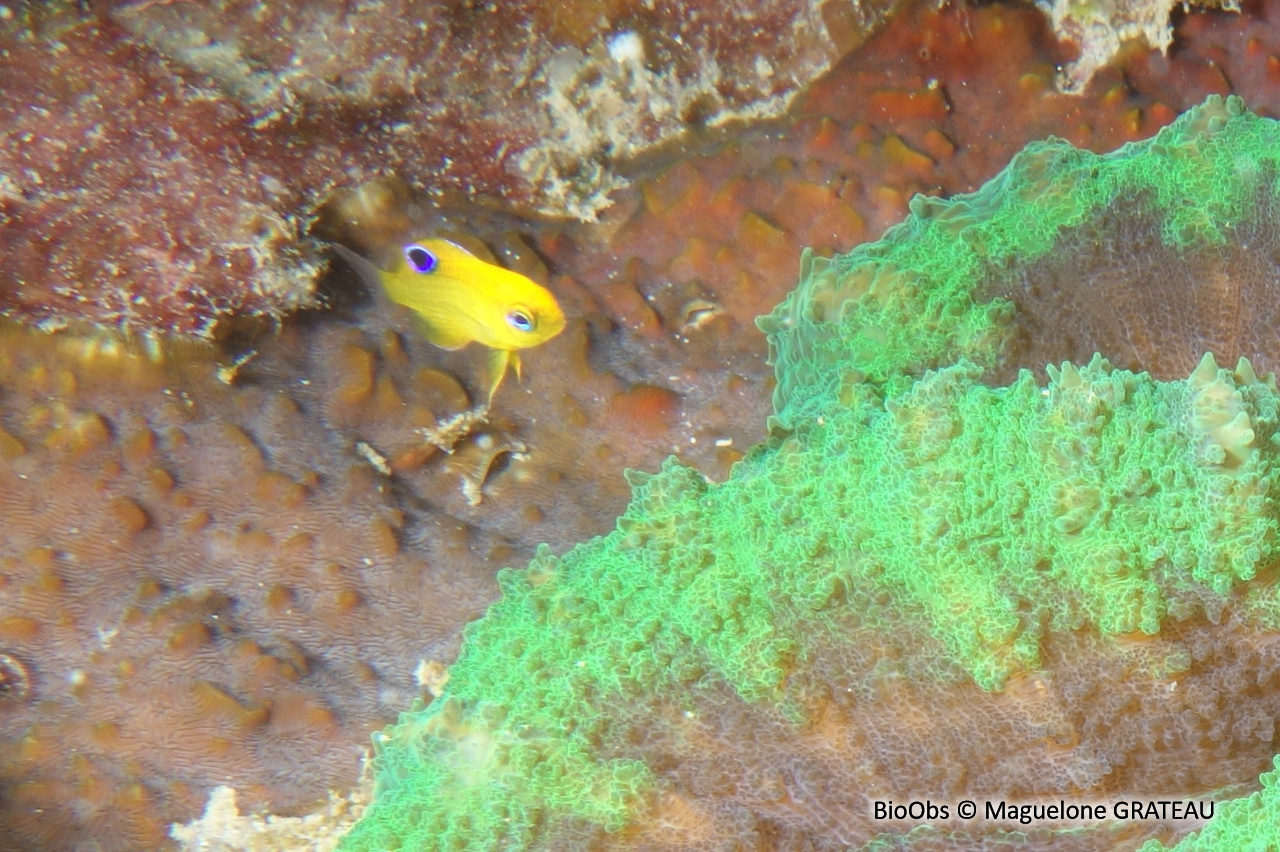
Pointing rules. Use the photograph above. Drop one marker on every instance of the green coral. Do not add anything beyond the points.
(986, 517)
(910, 301)
(924, 502)
(1248, 824)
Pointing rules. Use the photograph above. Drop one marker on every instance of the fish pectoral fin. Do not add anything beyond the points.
(499, 359)
(442, 335)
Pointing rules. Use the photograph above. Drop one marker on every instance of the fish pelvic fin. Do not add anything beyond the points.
(499, 360)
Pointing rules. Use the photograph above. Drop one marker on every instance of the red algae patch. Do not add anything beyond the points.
(160, 163)
(527, 99)
(130, 198)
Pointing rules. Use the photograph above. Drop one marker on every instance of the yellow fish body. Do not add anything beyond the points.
(460, 298)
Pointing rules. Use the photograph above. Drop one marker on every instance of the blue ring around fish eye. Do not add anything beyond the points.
(420, 259)
(520, 321)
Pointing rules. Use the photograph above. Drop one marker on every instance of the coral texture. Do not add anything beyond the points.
(1057, 552)
(195, 585)
(557, 94)
(1100, 29)
(969, 276)
(1248, 823)
(660, 357)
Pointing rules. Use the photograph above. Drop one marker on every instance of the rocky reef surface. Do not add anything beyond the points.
(251, 593)
(160, 161)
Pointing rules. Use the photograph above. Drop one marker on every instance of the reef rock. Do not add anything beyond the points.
(1100, 30)
(132, 198)
(555, 94)
(160, 161)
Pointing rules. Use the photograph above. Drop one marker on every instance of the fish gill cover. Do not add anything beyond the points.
(920, 585)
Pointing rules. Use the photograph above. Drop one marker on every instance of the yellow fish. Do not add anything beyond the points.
(460, 298)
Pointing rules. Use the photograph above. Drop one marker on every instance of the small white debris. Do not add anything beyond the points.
(272, 185)
(227, 375)
(432, 676)
(626, 47)
(375, 459)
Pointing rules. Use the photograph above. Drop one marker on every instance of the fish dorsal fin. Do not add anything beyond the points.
(441, 242)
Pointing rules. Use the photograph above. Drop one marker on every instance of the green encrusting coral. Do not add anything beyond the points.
(918, 497)
(986, 516)
(907, 302)
(1248, 824)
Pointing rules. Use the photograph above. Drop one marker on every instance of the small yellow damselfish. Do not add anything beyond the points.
(460, 298)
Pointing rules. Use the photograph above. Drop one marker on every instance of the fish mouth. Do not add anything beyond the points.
(555, 326)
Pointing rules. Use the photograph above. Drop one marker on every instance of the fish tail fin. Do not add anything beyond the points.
(369, 274)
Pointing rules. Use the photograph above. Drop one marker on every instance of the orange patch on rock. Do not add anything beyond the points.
(672, 186)
(937, 145)
(896, 106)
(816, 216)
(696, 262)
(189, 637)
(357, 375)
(128, 515)
(759, 240)
(625, 302)
(900, 155)
(17, 628)
(645, 409)
(727, 204)
(10, 447)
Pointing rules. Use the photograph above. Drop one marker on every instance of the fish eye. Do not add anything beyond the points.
(420, 259)
(520, 320)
